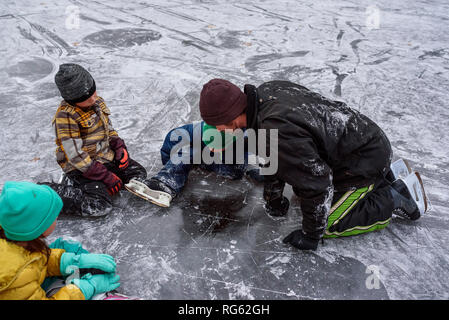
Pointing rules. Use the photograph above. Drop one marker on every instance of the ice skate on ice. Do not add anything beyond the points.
(150, 191)
(409, 197)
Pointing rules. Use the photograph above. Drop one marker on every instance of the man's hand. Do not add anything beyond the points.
(301, 241)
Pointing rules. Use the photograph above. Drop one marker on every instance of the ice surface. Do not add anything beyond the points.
(150, 60)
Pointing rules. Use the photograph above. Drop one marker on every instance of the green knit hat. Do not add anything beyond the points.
(208, 137)
(27, 210)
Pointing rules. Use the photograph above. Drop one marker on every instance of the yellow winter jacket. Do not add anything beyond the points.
(23, 272)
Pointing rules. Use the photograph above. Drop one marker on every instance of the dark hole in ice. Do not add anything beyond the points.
(215, 197)
(215, 193)
(31, 70)
(126, 37)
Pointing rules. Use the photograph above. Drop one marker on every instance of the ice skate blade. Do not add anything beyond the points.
(141, 190)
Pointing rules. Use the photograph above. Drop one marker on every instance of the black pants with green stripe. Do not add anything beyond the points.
(360, 210)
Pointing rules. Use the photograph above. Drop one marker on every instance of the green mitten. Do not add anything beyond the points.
(91, 285)
(70, 262)
(68, 245)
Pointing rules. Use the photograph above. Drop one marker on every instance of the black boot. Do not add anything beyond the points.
(90, 200)
(404, 205)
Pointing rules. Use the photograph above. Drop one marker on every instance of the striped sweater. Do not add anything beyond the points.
(82, 135)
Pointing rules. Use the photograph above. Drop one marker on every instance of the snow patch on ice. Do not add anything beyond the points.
(239, 291)
(277, 271)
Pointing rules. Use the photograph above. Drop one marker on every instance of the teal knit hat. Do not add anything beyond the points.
(27, 210)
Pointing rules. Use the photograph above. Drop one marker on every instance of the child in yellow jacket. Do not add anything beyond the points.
(28, 214)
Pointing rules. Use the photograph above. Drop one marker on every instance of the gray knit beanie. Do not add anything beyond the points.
(74, 82)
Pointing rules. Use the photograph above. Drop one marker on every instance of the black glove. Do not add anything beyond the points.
(299, 240)
(277, 207)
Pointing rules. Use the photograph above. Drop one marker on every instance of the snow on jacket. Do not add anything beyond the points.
(23, 272)
(83, 135)
(323, 147)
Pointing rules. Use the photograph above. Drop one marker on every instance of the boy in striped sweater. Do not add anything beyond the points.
(92, 155)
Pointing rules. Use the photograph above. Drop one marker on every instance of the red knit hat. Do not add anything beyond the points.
(221, 102)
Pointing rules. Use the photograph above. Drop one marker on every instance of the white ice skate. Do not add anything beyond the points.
(141, 190)
(416, 189)
(400, 168)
